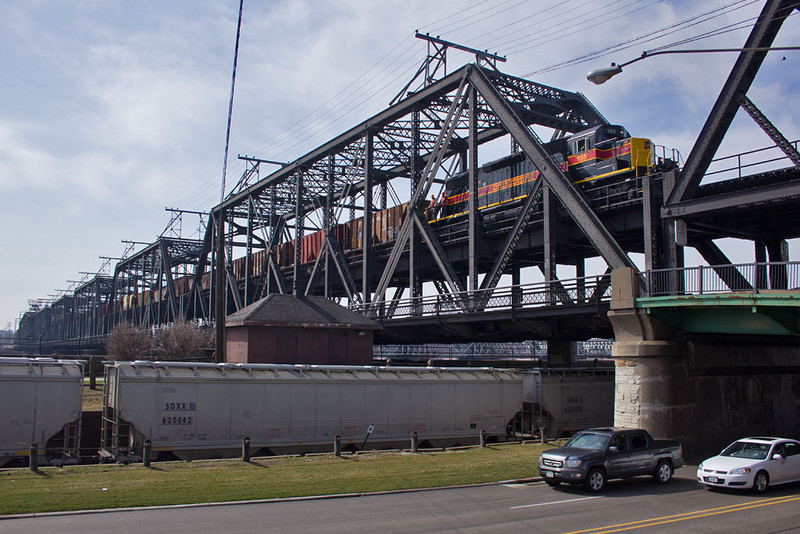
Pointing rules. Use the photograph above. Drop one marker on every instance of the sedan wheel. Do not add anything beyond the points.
(663, 472)
(596, 480)
(761, 482)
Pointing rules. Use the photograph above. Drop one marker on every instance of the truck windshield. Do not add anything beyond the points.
(747, 449)
(594, 442)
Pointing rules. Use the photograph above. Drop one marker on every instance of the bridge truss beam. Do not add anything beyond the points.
(404, 152)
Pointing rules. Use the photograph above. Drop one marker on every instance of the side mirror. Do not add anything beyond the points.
(613, 449)
(777, 456)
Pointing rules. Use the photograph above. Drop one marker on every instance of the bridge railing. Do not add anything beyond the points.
(577, 291)
(746, 162)
(703, 280)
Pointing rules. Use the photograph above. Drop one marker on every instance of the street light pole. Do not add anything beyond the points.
(603, 74)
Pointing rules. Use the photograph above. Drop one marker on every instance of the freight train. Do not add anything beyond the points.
(195, 410)
(199, 410)
(604, 161)
(603, 155)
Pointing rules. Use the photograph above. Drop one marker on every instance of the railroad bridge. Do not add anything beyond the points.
(351, 221)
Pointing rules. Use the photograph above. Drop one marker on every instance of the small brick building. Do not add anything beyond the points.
(289, 329)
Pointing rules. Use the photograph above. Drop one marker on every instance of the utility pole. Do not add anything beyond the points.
(220, 308)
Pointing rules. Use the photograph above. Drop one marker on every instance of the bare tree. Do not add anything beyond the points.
(183, 341)
(126, 342)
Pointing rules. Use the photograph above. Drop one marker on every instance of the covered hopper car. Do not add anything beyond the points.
(563, 401)
(205, 410)
(192, 411)
(40, 404)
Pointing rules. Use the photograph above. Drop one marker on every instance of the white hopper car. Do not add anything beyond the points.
(205, 410)
(40, 404)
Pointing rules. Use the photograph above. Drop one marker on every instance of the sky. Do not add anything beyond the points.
(112, 111)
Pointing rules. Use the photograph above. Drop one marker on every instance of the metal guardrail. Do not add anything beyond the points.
(577, 291)
(703, 280)
(733, 165)
(699, 280)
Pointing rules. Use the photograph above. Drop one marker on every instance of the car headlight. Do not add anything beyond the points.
(740, 471)
(572, 463)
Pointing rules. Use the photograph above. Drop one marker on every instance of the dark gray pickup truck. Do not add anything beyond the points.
(594, 456)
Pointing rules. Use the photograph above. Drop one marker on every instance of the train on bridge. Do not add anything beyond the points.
(605, 161)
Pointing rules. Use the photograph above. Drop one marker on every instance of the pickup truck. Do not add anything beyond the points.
(594, 456)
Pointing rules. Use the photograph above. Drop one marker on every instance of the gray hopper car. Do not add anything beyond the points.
(205, 410)
(40, 404)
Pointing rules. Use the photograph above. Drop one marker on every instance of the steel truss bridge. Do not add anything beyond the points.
(410, 274)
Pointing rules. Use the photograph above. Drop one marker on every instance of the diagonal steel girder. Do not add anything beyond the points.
(438, 253)
(550, 172)
(777, 137)
(722, 266)
(421, 191)
(332, 248)
(739, 81)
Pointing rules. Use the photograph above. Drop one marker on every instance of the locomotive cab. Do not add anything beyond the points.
(603, 150)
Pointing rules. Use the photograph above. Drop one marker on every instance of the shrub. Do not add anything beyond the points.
(127, 342)
(183, 341)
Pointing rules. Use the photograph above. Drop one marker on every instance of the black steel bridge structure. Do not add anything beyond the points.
(460, 279)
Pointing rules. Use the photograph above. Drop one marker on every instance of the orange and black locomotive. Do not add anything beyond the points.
(604, 153)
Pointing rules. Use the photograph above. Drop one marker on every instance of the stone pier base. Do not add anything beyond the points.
(705, 390)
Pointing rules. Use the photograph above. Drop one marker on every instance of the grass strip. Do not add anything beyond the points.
(167, 483)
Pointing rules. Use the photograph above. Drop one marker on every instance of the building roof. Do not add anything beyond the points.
(288, 310)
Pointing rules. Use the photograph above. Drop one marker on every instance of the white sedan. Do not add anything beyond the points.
(752, 463)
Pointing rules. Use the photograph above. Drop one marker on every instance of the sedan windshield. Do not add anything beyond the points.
(747, 449)
(595, 442)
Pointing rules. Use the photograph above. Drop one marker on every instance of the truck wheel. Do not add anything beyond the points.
(761, 482)
(553, 483)
(663, 472)
(596, 480)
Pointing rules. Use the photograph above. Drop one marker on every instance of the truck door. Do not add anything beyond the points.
(642, 457)
(619, 462)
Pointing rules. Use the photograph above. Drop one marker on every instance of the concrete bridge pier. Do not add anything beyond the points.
(704, 389)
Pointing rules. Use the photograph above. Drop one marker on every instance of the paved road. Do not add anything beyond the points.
(626, 506)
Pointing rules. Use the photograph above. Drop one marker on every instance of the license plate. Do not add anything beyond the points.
(713, 479)
(547, 473)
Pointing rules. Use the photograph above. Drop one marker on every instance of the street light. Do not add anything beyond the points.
(603, 74)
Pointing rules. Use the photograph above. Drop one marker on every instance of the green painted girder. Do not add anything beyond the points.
(746, 313)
